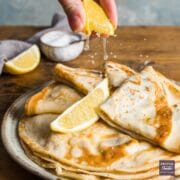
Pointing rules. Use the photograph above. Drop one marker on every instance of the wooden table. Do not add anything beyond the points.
(132, 46)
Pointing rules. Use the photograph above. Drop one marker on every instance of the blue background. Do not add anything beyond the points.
(131, 12)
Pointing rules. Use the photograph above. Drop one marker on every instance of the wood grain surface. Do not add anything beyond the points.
(132, 46)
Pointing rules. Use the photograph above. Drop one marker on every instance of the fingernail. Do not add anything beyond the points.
(76, 23)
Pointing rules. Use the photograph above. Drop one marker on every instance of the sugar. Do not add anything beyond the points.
(93, 62)
(58, 38)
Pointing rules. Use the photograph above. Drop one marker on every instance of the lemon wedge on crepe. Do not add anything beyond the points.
(96, 19)
(82, 114)
(24, 62)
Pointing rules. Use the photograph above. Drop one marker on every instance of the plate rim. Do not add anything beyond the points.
(7, 143)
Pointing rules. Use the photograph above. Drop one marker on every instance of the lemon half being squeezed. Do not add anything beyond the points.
(96, 19)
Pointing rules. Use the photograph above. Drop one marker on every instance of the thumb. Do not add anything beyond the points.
(75, 13)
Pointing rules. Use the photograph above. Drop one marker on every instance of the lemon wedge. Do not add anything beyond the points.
(96, 19)
(82, 114)
(24, 62)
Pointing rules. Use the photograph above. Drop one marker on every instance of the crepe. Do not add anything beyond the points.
(55, 167)
(117, 73)
(82, 79)
(52, 99)
(100, 150)
(146, 105)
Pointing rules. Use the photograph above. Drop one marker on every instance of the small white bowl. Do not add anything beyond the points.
(62, 46)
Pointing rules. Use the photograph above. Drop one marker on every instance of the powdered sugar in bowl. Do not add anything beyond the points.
(62, 46)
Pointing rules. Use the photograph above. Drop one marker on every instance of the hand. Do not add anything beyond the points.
(76, 14)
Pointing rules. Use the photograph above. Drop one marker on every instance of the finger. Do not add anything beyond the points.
(109, 7)
(75, 13)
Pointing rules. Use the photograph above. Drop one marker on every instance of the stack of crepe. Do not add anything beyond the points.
(138, 125)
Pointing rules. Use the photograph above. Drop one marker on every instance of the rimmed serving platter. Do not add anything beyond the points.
(11, 140)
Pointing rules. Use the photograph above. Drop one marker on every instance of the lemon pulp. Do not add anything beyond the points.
(24, 62)
(83, 113)
(96, 19)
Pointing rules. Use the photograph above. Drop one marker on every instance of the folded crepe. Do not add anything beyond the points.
(117, 73)
(100, 151)
(82, 79)
(54, 98)
(146, 106)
